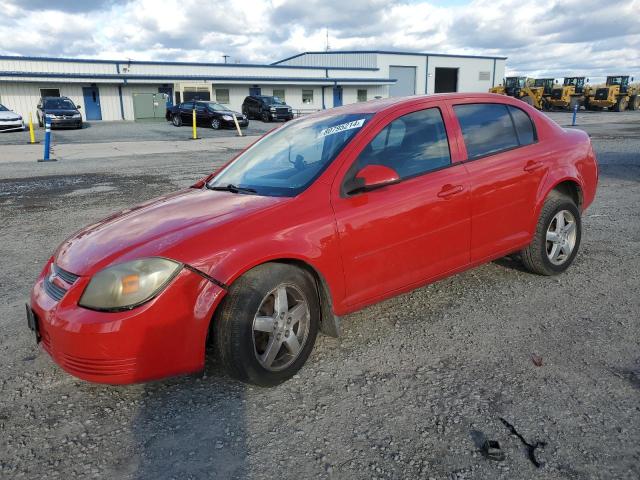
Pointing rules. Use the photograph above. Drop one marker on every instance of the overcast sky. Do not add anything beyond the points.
(555, 38)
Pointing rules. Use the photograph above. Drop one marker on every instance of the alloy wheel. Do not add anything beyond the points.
(281, 327)
(561, 237)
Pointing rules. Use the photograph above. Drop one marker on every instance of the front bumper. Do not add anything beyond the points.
(232, 124)
(281, 116)
(66, 122)
(6, 126)
(161, 338)
(601, 103)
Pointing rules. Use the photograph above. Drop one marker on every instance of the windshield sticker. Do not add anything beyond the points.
(341, 128)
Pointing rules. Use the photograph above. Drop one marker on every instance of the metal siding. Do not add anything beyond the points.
(345, 60)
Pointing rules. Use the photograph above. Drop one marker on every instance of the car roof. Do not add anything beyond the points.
(380, 105)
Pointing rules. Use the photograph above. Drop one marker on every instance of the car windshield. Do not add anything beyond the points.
(61, 103)
(216, 107)
(287, 161)
(3, 108)
(272, 101)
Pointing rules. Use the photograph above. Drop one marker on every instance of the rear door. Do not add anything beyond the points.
(506, 165)
(403, 234)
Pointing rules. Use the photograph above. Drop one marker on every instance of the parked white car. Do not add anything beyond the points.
(10, 120)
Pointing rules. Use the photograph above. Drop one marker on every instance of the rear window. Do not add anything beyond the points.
(487, 128)
(524, 126)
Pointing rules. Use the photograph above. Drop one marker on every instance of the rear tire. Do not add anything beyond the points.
(634, 103)
(176, 120)
(266, 326)
(621, 105)
(557, 237)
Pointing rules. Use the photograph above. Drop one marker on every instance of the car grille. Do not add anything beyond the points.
(602, 94)
(282, 111)
(54, 290)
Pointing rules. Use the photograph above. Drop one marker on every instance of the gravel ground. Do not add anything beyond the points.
(96, 132)
(410, 389)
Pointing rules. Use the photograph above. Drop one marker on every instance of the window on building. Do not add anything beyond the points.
(222, 95)
(484, 75)
(413, 144)
(307, 96)
(279, 92)
(362, 95)
(487, 128)
(49, 92)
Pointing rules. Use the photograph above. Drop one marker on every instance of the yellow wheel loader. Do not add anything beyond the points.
(547, 85)
(572, 92)
(616, 95)
(519, 87)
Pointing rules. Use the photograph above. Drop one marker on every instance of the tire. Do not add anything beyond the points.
(245, 112)
(265, 117)
(40, 122)
(176, 119)
(634, 102)
(242, 345)
(215, 123)
(621, 105)
(537, 257)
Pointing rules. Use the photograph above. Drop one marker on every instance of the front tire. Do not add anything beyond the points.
(265, 117)
(215, 124)
(176, 120)
(267, 324)
(557, 237)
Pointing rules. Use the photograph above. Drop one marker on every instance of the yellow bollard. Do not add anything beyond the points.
(195, 134)
(32, 136)
(235, 120)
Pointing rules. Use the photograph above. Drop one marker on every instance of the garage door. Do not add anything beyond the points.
(149, 106)
(406, 81)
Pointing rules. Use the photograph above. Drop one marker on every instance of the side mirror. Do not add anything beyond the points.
(78, 107)
(374, 176)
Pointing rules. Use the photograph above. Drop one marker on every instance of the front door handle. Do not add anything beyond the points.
(450, 190)
(533, 165)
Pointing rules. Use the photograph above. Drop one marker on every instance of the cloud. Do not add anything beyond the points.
(561, 37)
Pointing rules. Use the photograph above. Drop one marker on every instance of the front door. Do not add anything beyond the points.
(337, 96)
(401, 235)
(92, 103)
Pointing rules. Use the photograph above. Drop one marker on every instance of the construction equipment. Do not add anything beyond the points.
(616, 95)
(547, 87)
(520, 87)
(573, 91)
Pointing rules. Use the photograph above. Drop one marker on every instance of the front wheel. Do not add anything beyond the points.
(215, 124)
(265, 117)
(176, 120)
(557, 237)
(266, 327)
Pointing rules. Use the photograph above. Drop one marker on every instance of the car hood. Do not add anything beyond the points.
(160, 227)
(9, 115)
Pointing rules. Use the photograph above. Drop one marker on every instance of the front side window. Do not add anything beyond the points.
(362, 95)
(222, 95)
(486, 127)
(307, 96)
(288, 160)
(413, 144)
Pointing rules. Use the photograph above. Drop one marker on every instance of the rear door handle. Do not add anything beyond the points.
(532, 166)
(450, 190)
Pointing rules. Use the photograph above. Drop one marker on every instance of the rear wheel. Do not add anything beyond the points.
(634, 103)
(557, 238)
(176, 120)
(266, 327)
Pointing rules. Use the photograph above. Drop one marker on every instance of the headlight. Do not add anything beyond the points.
(273, 109)
(227, 117)
(125, 286)
(76, 115)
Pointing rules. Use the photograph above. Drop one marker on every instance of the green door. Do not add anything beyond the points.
(149, 106)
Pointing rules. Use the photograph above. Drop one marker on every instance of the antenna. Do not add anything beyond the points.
(225, 57)
(327, 34)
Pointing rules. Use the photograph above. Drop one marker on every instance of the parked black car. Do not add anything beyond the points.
(266, 108)
(63, 112)
(211, 114)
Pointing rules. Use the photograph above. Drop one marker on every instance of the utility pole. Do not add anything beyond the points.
(327, 34)
(225, 57)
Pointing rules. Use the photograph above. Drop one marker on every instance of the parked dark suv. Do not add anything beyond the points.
(63, 112)
(211, 114)
(266, 108)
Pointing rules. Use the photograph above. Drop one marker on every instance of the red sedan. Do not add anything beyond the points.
(319, 218)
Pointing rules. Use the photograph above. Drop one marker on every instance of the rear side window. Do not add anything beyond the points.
(524, 126)
(486, 127)
(413, 144)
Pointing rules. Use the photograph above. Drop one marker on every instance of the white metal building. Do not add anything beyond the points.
(136, 90)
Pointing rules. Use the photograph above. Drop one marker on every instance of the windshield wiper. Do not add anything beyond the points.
(232, 188)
